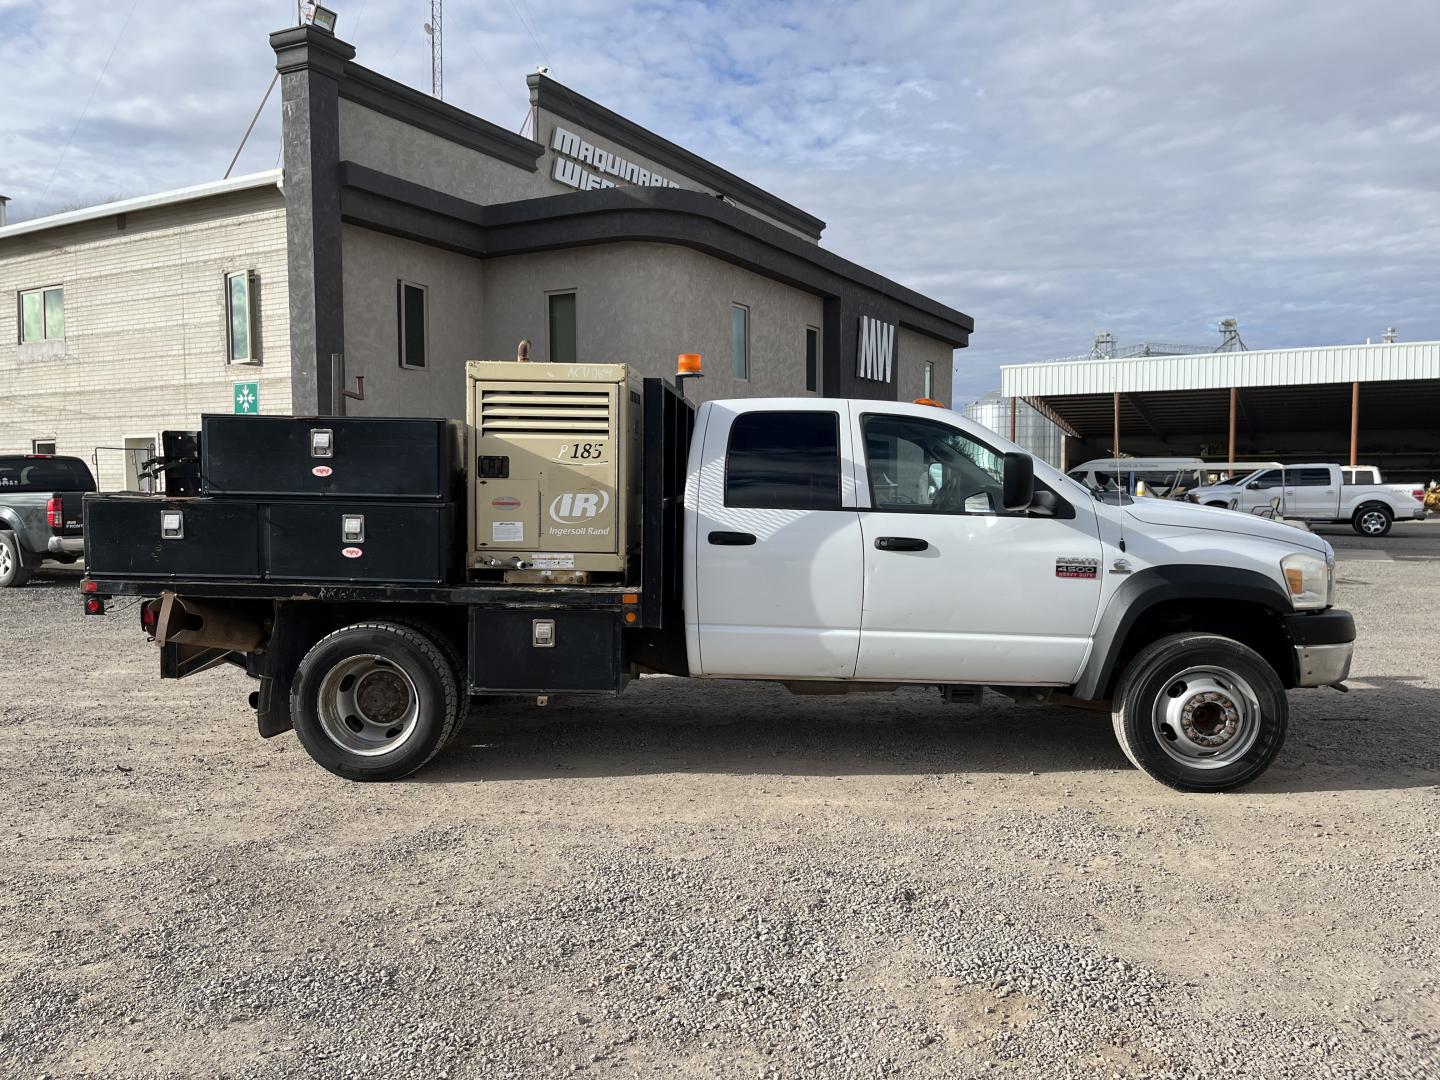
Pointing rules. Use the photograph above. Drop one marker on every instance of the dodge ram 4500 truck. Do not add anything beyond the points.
(39, 512)
(607, 529)
(1317, 493)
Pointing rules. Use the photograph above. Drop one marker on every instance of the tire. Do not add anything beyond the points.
(13, 571)
(1184, 691)
(457, 665)
(374, 701)
(1373, 520)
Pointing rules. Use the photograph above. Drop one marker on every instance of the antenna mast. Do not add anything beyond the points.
(437, 48)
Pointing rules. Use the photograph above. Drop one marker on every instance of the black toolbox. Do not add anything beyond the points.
(283, 540)
(161, 537)
(343, 457)
(328, 540)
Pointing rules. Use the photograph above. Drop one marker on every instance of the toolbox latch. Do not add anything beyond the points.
(322, 442)
(352, 528)
(172, 525)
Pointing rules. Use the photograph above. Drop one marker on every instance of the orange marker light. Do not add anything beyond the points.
(630, 598)
(631, 617)
(688, 364)
(928, 401)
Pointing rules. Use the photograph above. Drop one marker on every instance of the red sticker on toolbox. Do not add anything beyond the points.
(352, 552)
(505, 502)
(322, 470)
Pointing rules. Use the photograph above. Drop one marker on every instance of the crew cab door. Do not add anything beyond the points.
(1312, 492)
(1260, 489)
(957, 590)
(772, 528)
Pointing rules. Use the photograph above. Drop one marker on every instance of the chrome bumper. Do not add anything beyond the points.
(66, 545)
(1323, 665)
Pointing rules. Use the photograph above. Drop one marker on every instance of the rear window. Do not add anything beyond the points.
(784, 461)
(44, 474)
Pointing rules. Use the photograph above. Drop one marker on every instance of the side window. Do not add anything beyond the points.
(1310, 477)
(242, 318)
(784, 461)
(925, 466)
(1268, 479)
(414, 329)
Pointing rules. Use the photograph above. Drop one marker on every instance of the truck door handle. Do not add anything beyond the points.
(732, 539)
(901, 543)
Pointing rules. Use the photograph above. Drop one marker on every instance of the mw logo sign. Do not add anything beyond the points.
(876, 351)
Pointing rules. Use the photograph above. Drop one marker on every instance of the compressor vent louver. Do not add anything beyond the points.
(579, 413)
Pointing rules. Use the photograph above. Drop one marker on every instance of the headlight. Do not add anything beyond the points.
(1309, 579)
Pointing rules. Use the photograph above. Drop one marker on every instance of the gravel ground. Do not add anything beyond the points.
(703, 880)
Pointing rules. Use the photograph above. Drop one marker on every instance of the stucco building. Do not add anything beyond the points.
(404, 237)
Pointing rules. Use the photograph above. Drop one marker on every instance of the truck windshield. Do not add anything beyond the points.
(44, 474)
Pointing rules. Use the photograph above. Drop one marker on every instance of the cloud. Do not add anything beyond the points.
(1050, 168)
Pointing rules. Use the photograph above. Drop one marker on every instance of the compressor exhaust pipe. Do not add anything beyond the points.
(194, 622)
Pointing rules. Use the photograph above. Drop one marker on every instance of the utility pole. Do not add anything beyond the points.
(437, 48)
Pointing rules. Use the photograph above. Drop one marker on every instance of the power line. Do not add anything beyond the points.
(525, 25)
(268, 90)
(106, 67)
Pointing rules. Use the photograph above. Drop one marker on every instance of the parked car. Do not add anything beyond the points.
(40, 512)
(1161, 478)
(1316, 494)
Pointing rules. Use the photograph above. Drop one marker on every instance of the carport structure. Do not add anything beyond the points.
(1362, 404)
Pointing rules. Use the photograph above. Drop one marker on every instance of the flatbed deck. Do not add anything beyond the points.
(602, 597)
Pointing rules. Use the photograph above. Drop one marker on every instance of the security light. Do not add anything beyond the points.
(322, 18)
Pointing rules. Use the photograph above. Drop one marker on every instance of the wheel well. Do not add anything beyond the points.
(1374, 504)
(1218, 502)
(1249, 623)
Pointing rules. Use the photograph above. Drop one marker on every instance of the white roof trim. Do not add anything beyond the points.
(1384, 362)
(144, 202)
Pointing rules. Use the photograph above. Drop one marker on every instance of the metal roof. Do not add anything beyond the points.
(144, 202)
(1385, 362)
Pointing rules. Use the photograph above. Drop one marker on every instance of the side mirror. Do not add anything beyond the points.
(1018, 486)
(1253, 485)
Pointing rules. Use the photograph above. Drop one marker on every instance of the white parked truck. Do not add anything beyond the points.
(833, 546)
(1317, 494)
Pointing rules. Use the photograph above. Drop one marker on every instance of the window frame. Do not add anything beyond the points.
(929, 381)
(834, 414)
(812, 371)
(41, 291)
(550, 296)
(863, 450)
(401, 351)
(252, 317)
(744, 340)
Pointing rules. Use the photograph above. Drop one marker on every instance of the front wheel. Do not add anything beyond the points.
(1372, 521)
(1200, 712)
(375, 701)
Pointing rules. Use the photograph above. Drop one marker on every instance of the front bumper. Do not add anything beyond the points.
(66, 545)
(1324, 643)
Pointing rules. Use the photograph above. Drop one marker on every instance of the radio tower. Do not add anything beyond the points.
(437, 48)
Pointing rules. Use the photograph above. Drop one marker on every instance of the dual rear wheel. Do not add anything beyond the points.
(376, 701)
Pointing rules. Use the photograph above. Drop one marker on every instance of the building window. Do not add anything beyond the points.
(812, 359)
(242, 317)
(563, 342)
(740, 341)
(42, 314)
(42, 446)
(414, 324)
(929, 381)
(784, 461)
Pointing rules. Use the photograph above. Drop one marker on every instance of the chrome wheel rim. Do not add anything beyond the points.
(1373, 522)
(5, 560)
(368, 705)
(1206, 717)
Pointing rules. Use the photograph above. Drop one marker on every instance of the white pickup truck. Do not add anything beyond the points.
(1317, 494)
(835, 546)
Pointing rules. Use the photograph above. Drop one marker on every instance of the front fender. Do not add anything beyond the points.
(1162, 584)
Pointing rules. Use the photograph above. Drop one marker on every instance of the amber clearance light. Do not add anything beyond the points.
(689, 364)
(928, 401)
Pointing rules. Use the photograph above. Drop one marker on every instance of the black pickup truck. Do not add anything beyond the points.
(40, 512)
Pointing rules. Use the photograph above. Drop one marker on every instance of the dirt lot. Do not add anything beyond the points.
(714, 881)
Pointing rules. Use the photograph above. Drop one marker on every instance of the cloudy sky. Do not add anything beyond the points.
(1050, 167)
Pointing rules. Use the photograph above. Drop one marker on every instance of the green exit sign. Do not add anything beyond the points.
(247, 397)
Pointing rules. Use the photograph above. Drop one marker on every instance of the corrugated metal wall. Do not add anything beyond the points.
(1266, 367)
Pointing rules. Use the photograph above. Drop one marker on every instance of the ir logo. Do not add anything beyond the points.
(576, 506)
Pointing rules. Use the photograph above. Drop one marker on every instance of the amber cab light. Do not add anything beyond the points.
(928, 401)
(688, 364)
